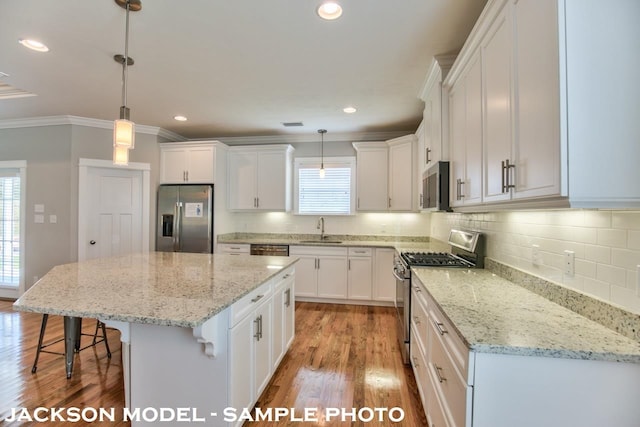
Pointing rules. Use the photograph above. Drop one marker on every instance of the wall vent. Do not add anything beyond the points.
(292, 124)
(8, 92)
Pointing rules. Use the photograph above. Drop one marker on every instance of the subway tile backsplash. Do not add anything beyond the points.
(606, 245)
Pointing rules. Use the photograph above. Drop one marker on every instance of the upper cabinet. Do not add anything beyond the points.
(548, 122)
(260, 177)
(187, 163)
(385, 177)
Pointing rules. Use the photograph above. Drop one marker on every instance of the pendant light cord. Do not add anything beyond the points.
(125, 62)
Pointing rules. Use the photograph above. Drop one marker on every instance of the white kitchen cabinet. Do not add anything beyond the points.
(372, 163)
(546, 111)
(384, 282)
(320, 272)
(384, 187)
(495, 54)
(233, 248)
(434, 118)
(260, 177)
(360, 274)
(261, 328)
(401, 173)
(283, 318)
(192, 163)
(465, 130)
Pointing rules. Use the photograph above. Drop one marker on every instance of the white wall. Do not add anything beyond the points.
(606, 245)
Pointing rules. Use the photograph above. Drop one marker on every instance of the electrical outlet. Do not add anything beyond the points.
(569, 263)
(638, 280)
(535, 255)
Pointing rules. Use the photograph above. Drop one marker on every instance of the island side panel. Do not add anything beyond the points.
(529, 391)
(170, 369)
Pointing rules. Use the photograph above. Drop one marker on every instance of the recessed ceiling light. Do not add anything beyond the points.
(180, 118)
(349, 110)
(34, 45)
(329, 10)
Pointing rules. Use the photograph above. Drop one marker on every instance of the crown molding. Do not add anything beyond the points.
(84, 121)
(300, 138)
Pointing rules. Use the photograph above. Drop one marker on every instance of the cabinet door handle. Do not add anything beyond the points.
(415, 362)
(318, 263)
(260, 325)
(256, 322)
(349, 264)
(256, 299)
(427, 152)
(439, 327)
(389, 202)
(438, 370)
(287, 301)
(506, 181)
(187, 174)
(459, 184)
(257, 202)
(358, 203)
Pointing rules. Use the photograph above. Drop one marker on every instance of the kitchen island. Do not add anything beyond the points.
(194, 327)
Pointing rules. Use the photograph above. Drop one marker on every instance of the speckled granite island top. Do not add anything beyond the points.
(493, 315)
(162, 288)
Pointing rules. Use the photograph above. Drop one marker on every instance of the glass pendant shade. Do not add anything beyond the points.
(124, 133)
(120, 155)
(322, 172)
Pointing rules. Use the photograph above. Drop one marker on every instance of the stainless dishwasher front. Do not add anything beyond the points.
(262, 249)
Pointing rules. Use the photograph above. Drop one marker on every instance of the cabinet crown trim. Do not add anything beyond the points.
(272, 147)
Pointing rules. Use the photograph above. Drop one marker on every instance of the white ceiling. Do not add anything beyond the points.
(233, 67)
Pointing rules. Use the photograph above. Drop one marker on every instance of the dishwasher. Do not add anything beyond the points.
(271, 250)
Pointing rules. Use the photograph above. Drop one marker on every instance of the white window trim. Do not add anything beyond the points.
(21, 165)
(328, 162)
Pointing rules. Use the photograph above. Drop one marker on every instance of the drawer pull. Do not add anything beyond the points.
(286, 275)
(439, 327)
(417, 289)
(256, 299)
(415, 362)
(416, 319)
(441, 379)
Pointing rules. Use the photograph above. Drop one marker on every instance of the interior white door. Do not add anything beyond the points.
(113, 212)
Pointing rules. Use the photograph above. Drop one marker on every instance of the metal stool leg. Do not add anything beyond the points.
(45, 317)
(104, 335)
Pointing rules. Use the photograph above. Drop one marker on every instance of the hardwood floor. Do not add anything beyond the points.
(343, 356)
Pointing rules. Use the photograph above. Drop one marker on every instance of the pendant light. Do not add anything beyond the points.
(322, 132)
(124, 131)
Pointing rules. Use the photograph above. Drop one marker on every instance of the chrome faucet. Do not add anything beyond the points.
(320, 226)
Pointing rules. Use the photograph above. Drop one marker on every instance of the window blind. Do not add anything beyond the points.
(328, 195)
(9, 230)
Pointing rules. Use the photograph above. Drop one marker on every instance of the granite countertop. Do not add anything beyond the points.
(400, 243)
(494, 315)
(161, 288)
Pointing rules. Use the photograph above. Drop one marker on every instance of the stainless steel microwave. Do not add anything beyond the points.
(435, 187)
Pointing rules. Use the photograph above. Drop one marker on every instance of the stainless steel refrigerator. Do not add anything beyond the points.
(185, 218)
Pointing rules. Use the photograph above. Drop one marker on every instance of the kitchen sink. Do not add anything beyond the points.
(321, 241)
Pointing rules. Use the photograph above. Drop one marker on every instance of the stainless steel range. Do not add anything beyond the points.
(466, 252)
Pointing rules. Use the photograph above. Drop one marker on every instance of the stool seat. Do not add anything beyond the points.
(97, 339)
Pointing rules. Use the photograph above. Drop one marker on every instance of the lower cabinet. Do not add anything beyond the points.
(463, 388)
(384, 282)
(321, 271)
(359, 274)
(261, 328)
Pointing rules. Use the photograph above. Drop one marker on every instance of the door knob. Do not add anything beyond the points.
(92, 242)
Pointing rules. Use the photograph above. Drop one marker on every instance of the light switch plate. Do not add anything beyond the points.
(638, 280)
(38, 208)
(53, 219)
(535, 255)
(38, 219)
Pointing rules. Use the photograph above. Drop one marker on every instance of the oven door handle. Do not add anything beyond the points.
(395, 274)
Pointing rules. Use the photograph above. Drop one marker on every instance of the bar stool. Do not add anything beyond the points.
(97, 339)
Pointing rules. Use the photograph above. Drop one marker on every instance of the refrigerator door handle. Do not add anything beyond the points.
(177, 224)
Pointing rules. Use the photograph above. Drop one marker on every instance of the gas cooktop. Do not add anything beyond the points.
(435, 259)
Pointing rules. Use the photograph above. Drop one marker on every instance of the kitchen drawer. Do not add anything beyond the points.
(419, 316)
(360, 251)
(233, 248)
(283, 278)
(453, 343)
(433, 409)
(446, 379)
(249, 302)
(419, 364)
